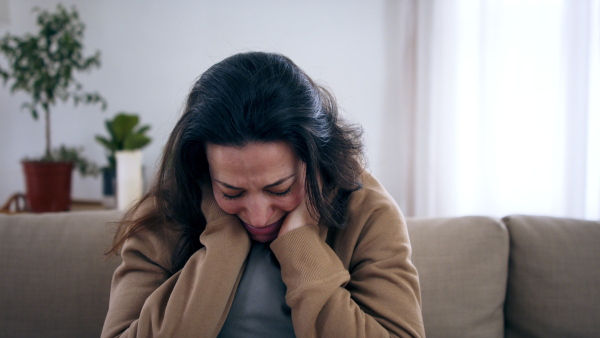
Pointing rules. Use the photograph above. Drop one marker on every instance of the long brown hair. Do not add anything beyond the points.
(250, 97)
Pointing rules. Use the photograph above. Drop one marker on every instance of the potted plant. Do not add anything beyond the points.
(43, 65)
(124, 135)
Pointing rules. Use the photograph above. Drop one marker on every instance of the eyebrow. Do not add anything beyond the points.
(276, 183)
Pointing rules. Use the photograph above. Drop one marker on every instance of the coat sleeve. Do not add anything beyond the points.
(140, 275)
(372, 290)
(146, 301)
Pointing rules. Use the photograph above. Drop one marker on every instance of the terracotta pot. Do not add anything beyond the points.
(48, 185)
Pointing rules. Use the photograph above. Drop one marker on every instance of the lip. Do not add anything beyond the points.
(267, 230)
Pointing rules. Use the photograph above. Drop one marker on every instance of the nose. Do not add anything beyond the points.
(259, 210)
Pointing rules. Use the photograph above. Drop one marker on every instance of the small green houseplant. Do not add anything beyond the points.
(43, 65)
(123, 134)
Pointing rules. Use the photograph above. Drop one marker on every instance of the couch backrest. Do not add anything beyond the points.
(54, 280)
(554, 277)
(463, 265)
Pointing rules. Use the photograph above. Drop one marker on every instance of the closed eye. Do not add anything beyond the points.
(283, 193)
(232, 197)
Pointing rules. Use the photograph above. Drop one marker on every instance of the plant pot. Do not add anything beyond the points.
(109, 182)
(129, 177)
(48, 186)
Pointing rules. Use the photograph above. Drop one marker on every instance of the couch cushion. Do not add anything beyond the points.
(55, 281)
(462, 264)
(554, 277)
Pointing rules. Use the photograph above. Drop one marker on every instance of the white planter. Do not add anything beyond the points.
(129, 177)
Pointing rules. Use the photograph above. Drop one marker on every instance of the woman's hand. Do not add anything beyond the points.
(297, 218)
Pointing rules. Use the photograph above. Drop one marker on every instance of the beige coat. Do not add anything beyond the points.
(356, 282)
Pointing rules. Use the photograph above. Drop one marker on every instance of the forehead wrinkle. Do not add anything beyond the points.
(272, 185)
(258, 165)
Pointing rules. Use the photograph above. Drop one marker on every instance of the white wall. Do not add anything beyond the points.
(153, 50)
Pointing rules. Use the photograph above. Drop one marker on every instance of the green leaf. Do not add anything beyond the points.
(143, 129)
(106, 143)
(70, 154)
(109, 127)
(123, 125)
(31, 108)
(44, 64)
(135, 141)
(123, 135)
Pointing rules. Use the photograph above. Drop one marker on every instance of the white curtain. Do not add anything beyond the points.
(493, 107)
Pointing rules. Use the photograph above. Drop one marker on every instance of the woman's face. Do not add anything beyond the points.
(259, 182)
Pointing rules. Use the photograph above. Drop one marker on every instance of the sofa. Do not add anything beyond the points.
(519, 276)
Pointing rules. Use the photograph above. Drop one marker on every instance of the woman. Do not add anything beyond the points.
(262, 221)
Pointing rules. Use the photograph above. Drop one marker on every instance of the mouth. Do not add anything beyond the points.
(265, 232)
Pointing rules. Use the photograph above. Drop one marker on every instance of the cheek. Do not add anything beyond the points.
(229, 206)
(292, 200)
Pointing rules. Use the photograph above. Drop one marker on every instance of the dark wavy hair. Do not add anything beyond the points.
(250, 97)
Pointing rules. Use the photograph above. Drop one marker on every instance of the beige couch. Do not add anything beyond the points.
(481, 277)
